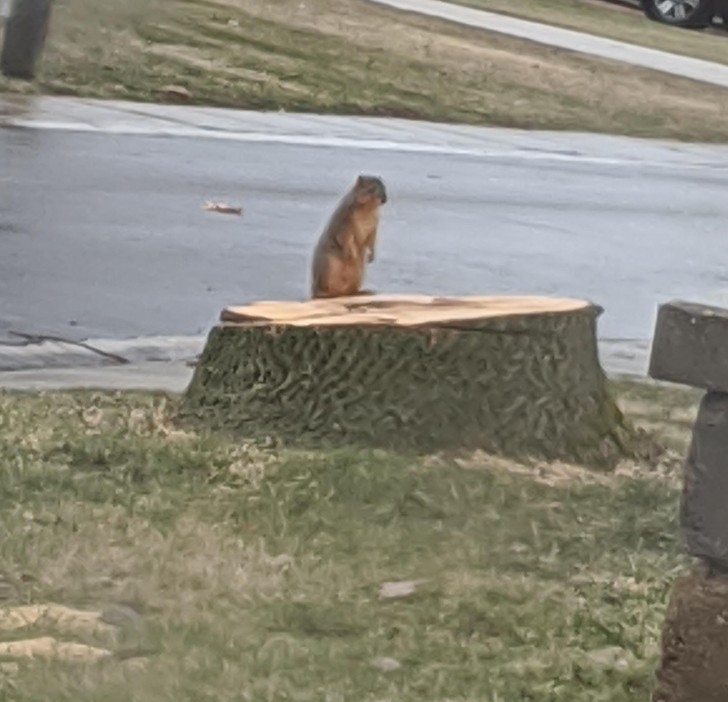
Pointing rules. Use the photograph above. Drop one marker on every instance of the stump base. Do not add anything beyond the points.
(509, 375)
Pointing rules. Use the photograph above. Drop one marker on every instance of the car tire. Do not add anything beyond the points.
(692, 14)
(26, 30)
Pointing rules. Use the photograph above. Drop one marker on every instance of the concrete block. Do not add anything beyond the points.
(690, 346)
(704, 505)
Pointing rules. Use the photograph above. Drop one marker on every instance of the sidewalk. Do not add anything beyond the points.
(684, 66)
(371, 133)
(151, 376)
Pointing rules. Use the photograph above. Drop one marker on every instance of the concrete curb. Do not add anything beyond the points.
(172, 377)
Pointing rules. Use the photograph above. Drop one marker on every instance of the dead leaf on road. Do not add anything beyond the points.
(222, 208)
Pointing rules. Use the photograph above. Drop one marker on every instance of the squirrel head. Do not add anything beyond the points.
(370, 189)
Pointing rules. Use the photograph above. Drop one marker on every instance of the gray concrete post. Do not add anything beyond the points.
(25, 33)
(691, 347)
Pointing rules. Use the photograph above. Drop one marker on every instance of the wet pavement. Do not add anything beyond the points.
(102, 232)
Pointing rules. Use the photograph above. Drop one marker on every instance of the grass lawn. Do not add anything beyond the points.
(248, 572)
(616, 22)
(354, 57)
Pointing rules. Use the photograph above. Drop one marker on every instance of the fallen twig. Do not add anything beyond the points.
(40, 338)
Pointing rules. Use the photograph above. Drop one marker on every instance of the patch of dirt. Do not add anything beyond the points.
(695, 641)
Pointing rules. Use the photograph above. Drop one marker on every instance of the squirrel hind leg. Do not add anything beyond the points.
(329, 294)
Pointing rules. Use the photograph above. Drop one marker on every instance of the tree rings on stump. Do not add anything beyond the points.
(510, 375)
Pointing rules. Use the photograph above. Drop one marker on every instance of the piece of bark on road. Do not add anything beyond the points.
(222, 208)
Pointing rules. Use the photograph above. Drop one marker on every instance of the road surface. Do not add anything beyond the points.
(102, 233)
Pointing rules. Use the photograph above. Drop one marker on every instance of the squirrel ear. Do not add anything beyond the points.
(360, 180)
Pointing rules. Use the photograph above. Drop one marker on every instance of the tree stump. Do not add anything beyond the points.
(510, 375)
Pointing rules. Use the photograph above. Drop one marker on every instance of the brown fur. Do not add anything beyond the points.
(340, 257)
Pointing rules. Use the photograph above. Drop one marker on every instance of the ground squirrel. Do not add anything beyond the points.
(341, 256)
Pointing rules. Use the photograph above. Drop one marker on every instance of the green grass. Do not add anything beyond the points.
(257, 569)
(602, 18)
(355, 57)
(667, 410)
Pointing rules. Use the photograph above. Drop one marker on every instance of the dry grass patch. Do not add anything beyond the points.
(354, 57)
(668, 411)
(602, 18)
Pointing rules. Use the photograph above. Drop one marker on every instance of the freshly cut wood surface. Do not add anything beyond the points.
(395, 310)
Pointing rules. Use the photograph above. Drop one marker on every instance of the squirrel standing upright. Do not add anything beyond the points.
(340, 257)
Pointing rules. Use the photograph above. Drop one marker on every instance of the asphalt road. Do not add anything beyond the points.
(103, 236)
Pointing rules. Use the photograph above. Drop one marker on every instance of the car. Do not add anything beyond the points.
(693, 14)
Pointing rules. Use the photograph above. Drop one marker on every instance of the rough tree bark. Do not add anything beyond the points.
(509, 375)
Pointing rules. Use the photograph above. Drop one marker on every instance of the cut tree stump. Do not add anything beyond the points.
(510, 375)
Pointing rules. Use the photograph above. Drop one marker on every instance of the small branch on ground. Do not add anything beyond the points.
(40, 338)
